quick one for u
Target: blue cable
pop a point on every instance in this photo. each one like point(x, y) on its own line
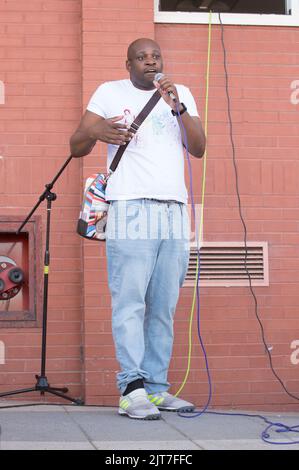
point(265, 435)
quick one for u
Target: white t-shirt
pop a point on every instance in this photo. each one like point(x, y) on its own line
point(152, 165)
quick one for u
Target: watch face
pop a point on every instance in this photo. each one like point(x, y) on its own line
point(184, 108)
point(175, 113)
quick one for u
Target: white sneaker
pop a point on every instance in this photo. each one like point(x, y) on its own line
point(137, 405)
point(166, 401)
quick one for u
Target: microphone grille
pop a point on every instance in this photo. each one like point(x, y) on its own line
point(158, 76)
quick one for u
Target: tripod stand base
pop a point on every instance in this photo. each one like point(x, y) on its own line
point(43, 387)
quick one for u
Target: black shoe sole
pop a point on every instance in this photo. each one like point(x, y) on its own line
point(181, 410)
point(146, 418)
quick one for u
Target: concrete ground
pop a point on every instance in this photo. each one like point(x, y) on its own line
point(72, 427)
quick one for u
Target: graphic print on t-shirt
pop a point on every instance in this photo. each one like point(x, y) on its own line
point(156, 125)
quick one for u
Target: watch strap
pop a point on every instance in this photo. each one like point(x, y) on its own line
point(175, 113)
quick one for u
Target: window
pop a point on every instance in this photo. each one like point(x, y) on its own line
point(276, 7)
point(250, 12)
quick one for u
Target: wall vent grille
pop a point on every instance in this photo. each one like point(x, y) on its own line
point(223, 264)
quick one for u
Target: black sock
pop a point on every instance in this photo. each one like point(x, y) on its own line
point(138, 383)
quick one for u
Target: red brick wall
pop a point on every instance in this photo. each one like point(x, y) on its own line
point(41, 69)
point(262, 66)
point(51, 62)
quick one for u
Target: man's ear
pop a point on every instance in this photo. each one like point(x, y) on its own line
point(128, 65)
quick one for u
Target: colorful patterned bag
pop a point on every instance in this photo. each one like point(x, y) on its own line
point(93, 216)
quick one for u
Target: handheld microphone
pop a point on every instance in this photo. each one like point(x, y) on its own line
point(158, 77)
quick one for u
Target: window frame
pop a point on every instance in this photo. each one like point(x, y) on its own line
point(229, 18)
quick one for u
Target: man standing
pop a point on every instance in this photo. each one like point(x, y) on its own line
point(147, 243)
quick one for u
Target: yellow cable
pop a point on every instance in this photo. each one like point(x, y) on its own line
point(202, 205)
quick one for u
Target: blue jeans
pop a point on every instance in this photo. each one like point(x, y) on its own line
point(147, 245)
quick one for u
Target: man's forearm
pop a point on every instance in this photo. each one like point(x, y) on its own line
point(81, 144)
point(195, 134)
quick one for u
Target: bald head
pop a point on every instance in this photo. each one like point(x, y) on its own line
point(140, 44)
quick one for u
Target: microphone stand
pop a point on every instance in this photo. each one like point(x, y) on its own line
point(42, 384)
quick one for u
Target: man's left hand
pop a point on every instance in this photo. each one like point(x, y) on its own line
point(165, 86)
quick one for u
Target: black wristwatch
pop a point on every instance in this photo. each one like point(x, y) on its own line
point(175, 113)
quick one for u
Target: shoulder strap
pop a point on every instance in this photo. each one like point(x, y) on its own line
point(134, 128)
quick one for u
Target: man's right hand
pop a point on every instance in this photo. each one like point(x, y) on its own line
point(111, 131)
point(94, 127)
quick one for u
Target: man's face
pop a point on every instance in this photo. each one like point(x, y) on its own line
point(144, 61)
